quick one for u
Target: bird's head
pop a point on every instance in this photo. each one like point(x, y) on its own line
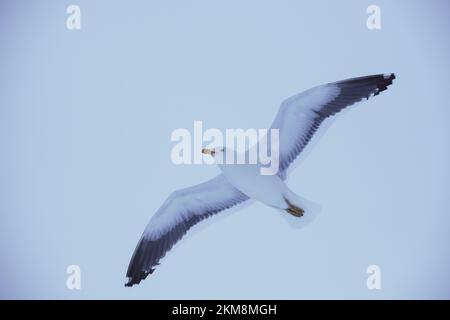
point(218, 152)
point(220, 155)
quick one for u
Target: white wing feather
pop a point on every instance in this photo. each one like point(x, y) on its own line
point(179, 212)
point(300, 116)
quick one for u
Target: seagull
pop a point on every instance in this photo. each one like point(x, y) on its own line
point(298, 118)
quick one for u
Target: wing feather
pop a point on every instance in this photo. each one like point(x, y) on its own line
point(300, 116)
point(183, 209)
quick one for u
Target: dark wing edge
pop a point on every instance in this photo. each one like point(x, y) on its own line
point(149, 251)
point(352, 91)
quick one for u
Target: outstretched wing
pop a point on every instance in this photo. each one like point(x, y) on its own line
point(300, 116)
point(182, 209)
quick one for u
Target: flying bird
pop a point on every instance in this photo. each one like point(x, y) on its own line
point(298, 118)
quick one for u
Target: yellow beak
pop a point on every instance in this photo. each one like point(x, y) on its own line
point(207, 151)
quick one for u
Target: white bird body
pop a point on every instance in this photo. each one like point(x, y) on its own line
point(298, 118)
point(247, 178)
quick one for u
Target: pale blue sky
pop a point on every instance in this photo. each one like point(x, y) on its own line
point(85, 124)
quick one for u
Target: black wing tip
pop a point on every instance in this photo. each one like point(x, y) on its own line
point(136, 270)
point(132, 280)
point(354, 90)
point(391, 76)
point(384, 82)
point(369, 79)
point(379, 82)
